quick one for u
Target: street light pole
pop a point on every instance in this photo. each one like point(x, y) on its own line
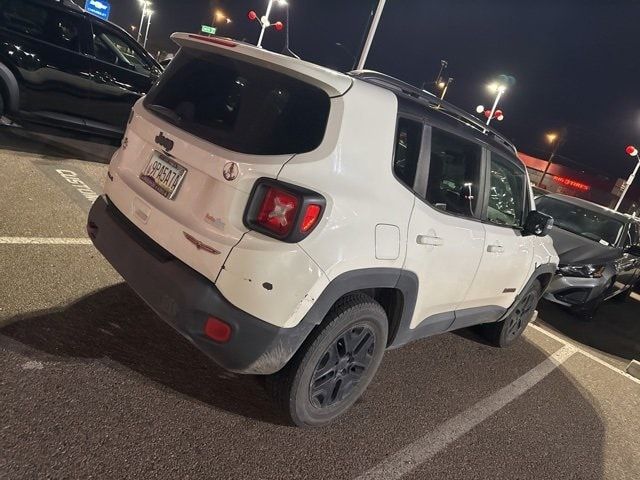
point(265, 22)
point(371, 35)
point(559, 140)
point(146, 35)
point(501, 90)
point(634, 153)
point(144, 14)
point(446, 87)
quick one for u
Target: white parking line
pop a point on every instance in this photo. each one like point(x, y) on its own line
point(44, 241)
point(587, 354)
point(423, 449)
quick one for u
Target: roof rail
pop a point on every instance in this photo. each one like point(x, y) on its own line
point(70, 4)
point(432, 101)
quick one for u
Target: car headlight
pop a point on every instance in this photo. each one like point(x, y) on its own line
point(585, 271)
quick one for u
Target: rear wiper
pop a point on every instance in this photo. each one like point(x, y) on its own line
point(167, 112)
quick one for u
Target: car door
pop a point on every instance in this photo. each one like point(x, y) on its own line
point(44, 45)
point(508, 255)
point(122, 73)
point(446, 238)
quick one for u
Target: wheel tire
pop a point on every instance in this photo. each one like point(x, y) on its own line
point(505, 333)
point(332, 369)
point(1, 104)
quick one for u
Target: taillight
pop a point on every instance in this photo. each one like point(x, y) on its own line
point(278, 211)
point(310, 218)
point(283, 211)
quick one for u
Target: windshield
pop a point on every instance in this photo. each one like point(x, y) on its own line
point(596, 226)
point(239, 106)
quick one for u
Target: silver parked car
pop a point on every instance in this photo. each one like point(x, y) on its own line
point(599, 253)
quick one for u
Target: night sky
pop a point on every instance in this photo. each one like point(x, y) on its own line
point(576, 61)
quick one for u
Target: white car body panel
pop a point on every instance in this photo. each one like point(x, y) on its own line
point(438, 243)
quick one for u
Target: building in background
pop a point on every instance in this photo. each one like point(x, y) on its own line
point(566, 180)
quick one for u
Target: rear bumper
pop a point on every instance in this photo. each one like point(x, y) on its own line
point(185, 299)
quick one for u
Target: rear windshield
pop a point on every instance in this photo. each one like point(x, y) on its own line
point(240, 106)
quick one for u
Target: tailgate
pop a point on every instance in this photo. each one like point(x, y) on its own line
point(195, 146)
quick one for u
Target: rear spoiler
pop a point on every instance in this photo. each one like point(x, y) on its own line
point(334, 83)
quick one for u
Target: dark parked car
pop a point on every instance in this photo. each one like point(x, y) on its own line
point(599, 253)
point(64, 68)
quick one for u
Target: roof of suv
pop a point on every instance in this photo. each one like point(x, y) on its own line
point(590, 206)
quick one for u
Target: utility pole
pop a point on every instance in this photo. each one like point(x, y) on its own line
point(559, 140)
point(146, 35)
point(631, 151)
point(371, 35)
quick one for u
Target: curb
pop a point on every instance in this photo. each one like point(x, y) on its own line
point(633, 369)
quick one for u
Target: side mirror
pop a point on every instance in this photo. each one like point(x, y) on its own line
point(633, 250)
point(537, 224)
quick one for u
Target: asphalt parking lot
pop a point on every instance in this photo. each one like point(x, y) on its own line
point(94, 385)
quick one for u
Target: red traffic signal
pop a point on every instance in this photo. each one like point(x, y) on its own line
point(252, 15)
point(279, 26)
point(631, 150)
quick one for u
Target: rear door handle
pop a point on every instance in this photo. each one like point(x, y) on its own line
point(429, 240)
point(495, 249)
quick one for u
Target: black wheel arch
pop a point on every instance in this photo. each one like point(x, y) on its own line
point(9, 88)
point(395, 289)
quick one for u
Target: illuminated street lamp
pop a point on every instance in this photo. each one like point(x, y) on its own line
point(555, 139)
point(145, 6)
point(219, 16)
point(444, 86)
point(632, 152)
point(264, 20)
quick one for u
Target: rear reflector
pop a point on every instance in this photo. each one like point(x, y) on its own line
point(311, 216)
point(278, 211)
point(217, 330)
point(218, 41)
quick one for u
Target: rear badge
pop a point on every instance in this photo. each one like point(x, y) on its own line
point(199, 245)
point(230, 171)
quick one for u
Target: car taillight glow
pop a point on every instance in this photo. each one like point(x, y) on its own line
point(311, 216)
point(278, 211)
point(217, 330)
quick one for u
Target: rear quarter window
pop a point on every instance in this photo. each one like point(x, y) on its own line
point(240, 106)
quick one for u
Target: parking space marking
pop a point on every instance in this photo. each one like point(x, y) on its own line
point(73, 182)
point(44, 241)
point(411, 457)
point(583, 352)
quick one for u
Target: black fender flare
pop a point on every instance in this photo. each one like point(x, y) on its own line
point(9, 88)
point(404, 281)
point(540, 271)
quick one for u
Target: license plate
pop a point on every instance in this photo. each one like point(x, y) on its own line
point(163, 175)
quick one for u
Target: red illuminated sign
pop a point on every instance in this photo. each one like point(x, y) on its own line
point(567, 182)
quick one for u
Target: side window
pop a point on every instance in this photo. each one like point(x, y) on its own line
point(408, 142)
point(23, 17)
point(506, 194)
point(454, 174)
point(632, 235)
point(116, 50)
point(48, 24)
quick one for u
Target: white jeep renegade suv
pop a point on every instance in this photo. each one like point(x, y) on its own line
point(295, 222)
